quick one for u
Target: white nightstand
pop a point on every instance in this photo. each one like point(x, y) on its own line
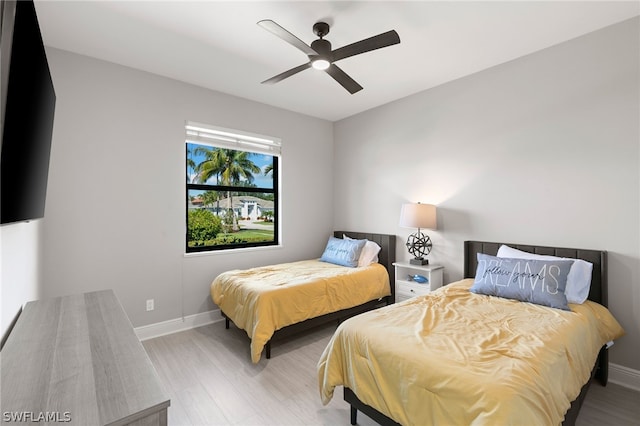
point(407, 288)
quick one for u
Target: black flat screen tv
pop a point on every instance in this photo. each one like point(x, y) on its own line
point(28, 103)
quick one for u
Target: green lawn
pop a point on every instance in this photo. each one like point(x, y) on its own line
point(242, 236)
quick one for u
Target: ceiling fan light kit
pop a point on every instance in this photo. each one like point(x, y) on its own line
point(320, 64)
point(320, 55)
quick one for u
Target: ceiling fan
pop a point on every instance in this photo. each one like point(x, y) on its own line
point(321, 56)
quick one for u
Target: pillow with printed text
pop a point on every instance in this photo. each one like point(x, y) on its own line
point(343, 252)
point(542, 282)
point(578, 280)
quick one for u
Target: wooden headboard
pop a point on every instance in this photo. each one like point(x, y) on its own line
point(598, 290)
point(387, 255)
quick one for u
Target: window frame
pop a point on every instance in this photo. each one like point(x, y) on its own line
point(238, 141)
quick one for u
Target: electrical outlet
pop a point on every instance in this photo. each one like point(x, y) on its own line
point(150, 305)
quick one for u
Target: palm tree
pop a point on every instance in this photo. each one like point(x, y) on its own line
point(209, 197)
point(268, 169)
point(191, 165)
point(237, 166)
point(229, 167)
point(212, 165)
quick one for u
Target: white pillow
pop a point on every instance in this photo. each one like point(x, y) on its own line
point(578, 280)
point(369, 253)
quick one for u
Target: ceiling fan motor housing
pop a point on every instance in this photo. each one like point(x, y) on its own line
point(323, 47)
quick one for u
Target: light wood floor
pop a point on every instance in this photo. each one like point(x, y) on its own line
point(209, 376)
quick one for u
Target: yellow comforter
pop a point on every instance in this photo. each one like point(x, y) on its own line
point(265, 299)
point(458, 358)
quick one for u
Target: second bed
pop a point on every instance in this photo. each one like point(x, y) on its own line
point(276, 300)
point(457, 357)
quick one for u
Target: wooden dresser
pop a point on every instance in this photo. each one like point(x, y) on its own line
point(76, 360)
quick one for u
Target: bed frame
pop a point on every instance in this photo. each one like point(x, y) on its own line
point(386, 257)
point(597, 293)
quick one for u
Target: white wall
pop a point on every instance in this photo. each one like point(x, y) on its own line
point(20, 268)
point(541, 150)
point(115, 202)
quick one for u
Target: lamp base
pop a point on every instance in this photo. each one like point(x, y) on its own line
point(419, 261)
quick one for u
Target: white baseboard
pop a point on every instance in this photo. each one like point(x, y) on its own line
point(178, 324)
point(624, 376)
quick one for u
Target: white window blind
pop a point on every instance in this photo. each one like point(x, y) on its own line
point(232, 139)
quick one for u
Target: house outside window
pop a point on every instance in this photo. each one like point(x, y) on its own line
point(232, 189)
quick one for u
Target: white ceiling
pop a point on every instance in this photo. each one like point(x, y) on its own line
point(218, 45)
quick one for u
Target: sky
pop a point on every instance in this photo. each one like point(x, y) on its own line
point(260, 160)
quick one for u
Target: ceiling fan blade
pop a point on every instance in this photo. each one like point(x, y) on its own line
point(372, 43)
point(276, 29)
point(344, 79)
point(288, 73)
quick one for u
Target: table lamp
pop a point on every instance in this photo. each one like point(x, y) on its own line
point(419, 216)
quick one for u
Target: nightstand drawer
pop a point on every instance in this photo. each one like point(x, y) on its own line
point(407, 290)
point(410, 289)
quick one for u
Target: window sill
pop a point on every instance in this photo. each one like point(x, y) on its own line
point(232, 251)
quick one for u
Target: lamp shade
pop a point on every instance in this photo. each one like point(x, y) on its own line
point(418, 216)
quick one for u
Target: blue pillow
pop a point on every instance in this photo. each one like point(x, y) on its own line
point(542, 282)
point(343, 252)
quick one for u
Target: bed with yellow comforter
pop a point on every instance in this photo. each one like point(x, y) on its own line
point(265, 299)
point(454, 357)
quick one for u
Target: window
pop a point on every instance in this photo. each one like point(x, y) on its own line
point(232, 189)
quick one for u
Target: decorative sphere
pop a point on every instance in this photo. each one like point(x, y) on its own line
point(419, 245)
